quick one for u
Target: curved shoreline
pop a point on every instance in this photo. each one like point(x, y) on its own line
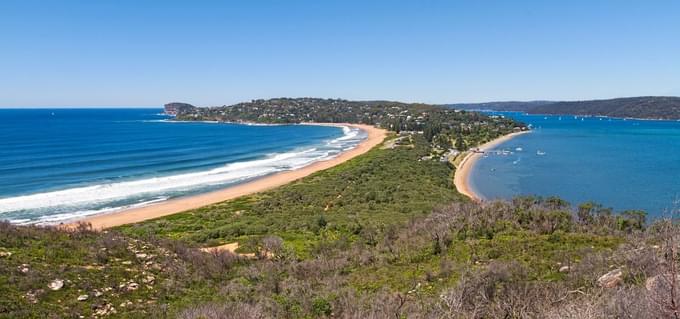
point(461, 177)
point(173, 206)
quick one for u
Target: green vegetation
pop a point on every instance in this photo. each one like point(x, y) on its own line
point(383, 235)
point(440, 126)
point(375, 237)
point(384, 186)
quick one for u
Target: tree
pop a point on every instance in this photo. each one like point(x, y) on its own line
point(632, 219)
point(460, 143)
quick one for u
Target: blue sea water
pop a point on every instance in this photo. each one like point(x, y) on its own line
point(59, 164)
point(619, 163)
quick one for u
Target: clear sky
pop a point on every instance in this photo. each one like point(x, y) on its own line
point(104, 53)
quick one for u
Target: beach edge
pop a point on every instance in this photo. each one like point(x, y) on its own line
point(461, 178)
point(375, 136)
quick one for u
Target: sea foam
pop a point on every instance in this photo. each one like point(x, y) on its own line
point(66, 204)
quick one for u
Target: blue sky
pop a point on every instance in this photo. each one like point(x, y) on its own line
point(143, 53)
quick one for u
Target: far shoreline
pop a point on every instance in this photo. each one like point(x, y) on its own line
point(178, 205)
point(461, 177)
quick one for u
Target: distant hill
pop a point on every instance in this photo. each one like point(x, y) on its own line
point(513, 106)
point(648, 107)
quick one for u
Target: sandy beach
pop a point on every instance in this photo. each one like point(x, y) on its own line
point(375, 137)
point(462, 175)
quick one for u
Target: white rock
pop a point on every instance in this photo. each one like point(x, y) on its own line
point(132, 286)
point(105, 310)
point(5, 253)
point(611, 279)
point(565, 269)
point(83, 297)
point(24, 268)
point(56, 284)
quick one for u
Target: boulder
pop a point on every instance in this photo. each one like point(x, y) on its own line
point(661, 284)
point(24, 268)
point(565, 269)
point(56, 284)
point(105, 310)
point(611, 279)
point(132, 286)
point(83, 297)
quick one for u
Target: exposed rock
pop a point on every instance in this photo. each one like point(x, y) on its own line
point(611, 279)
point(97, 293)
point(132, 286)
point(83, 297)
point(565, 269)
point(104, 310)
point(24, 268)
point(141, 256)
point(661, 284)
point(4, 253)
point(32, 296)
point(149, 279)
point(56, 284)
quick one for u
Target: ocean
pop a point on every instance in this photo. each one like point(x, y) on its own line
point(619, 163)
point(61, 164)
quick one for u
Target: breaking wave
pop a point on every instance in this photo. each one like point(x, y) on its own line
point(67, 204)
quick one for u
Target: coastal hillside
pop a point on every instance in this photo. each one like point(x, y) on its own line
point(447, 129)
point(383, 235)
point(645, 107)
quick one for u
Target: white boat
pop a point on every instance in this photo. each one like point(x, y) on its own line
point(540, 153)
point(519, 149)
